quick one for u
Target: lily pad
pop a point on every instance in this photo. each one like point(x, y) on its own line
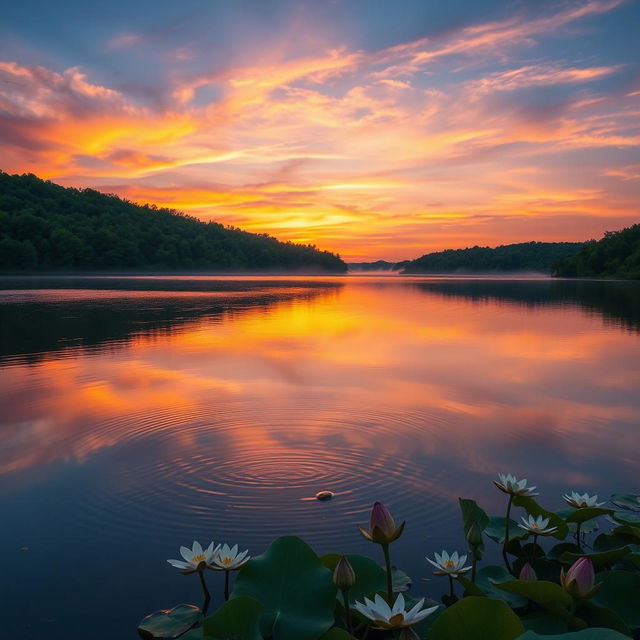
point(586, 634)
point(599, 559)
point(295, 588)
point(629, 501)
point(627, 517)
point(238, 618)
point(400, 581)
point(587, 513)
point(336, 633)
point(495, 529)
point(473, 514)
point(549, 595)
point(475, 618)
point(620, 592)
point(169, 623)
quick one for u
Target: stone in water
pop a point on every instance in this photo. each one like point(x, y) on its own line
point(324, 495)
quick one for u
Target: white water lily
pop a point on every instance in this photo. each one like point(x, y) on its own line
point(537, 526)
point(386, 617)
point(195, 559)
point(511, 485)
point(579, 501)
point(228, 558)
point(449, 565)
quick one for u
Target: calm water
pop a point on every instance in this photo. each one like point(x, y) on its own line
point(139, 414)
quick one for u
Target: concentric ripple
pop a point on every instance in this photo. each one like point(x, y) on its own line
point(237, 473)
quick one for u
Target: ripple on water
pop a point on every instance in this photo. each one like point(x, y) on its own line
point(239, 472)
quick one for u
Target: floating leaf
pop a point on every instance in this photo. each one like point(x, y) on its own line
point(487, 579)
point(473, 514)
point(478, 619)
point(370, 576)
point(169, 623)
point(627, 517)
point(586, 634)
point(626, 501)
point(587, 513)
point(238, 618)
point(549, 595)
point(495, 529)
point(620, 592)
point(599, 559)
point(545, 623)
point(295, 588)
point(596, 616)
point(400, 581)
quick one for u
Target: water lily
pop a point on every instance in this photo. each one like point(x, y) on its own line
point(228, 559)
point(449, 565)
point(514, 487)
point(382, 526)
point(386, 617)
point(527, 573)
point(537, 526)
point(579, 580)
point(195, 559)
point(579, 501)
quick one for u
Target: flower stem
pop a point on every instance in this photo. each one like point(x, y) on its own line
point(451, 594)
point(506, 535)
point(226, 585)
point(347, 610)
point(473, 568)
point(385, 550)
point(578, 539)
point(207, 595)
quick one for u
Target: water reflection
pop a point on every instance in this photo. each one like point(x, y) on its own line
point(199, 417)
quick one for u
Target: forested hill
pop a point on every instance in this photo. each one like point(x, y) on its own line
point(526, 256)
point(617, 255)
point(44, 226)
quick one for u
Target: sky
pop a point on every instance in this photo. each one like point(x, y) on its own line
point(373, 128)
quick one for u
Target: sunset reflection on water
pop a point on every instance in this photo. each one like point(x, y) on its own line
point(217, 414)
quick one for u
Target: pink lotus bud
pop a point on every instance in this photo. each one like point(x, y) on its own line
point(382, 526)
point(344, 576)
point(528, 574)
point(579, 580)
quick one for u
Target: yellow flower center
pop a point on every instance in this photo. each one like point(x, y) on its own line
point(226, 561)
point(198, 559)
point(449, 563)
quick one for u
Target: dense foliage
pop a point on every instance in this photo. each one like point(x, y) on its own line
point(526, 256)
point(44, 226)
point(562, 579)
point(617, 255)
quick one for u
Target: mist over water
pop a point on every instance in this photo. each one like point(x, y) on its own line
point(139, 414)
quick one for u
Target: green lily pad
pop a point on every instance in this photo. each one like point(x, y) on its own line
point(627, 517)
point(495, 529)
point(596, 616)
point(587, 513)
point(169, 623)
point(599, 559)
point(534, 509)
point(295, 588)
point(370, 576)
point(336, 633)
point(489, 577)
point(400, 581)
point(549, 595)
point(620, 592)
point(544, 622)
point(239, 618)
point(563, 547)
point(611, 540)
point(586, 634)
point(475, 618)
point(626, 501)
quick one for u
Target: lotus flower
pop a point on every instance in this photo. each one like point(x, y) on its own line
point(382, 526)
point(228, 558)
point(511, 485)
point(449, 565)
point(195, 559)
point(579, 580)
point(528, 574)
point(385, 617)
point(537, 526)
point(344, 576)
point(579, 501)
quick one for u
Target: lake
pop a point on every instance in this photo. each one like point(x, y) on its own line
point(141, 413)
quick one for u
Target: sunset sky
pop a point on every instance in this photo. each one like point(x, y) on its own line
point(374, 128)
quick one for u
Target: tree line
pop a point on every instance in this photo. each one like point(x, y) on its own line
point(44, 226)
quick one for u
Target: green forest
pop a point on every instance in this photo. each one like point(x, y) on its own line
point(526, 256)
point(44, 226)
point(617, 255)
